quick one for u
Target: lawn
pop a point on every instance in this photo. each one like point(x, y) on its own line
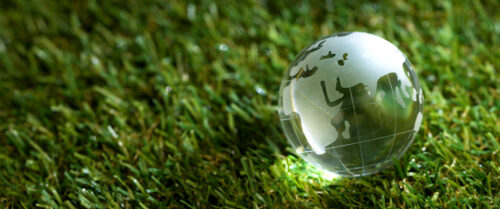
point(171, 104)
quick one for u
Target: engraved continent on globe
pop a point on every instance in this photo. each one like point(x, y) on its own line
point(350, 103)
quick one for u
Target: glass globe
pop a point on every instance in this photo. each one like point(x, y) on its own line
point(350, 103)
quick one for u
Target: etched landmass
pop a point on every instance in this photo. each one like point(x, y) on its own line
point(304, 54)
point(302, 74)
point(342, 61)
point(328, 56)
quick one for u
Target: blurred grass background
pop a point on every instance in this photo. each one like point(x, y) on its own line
point(173, 104)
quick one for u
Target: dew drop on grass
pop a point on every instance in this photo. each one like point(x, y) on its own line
point(260, 90)
point(85, 171)
point(223, 47)
point(168, 89)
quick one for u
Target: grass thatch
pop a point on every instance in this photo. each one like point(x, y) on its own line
point(154, 104)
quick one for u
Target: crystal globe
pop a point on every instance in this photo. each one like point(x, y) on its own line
point(350, 103)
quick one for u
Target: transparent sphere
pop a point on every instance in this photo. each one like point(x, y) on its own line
point(350, 103)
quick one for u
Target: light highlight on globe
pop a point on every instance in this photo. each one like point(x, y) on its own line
point(350, 103)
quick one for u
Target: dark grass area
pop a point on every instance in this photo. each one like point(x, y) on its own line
point(169, 104)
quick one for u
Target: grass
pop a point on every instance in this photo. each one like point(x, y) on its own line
point(171, 104)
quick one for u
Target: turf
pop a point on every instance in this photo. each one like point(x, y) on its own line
point(170, 104)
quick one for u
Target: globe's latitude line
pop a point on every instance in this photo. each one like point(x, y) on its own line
point(374, 139)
